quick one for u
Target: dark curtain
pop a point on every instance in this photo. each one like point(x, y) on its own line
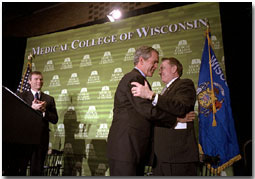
point(13, 51)
point(236, 20)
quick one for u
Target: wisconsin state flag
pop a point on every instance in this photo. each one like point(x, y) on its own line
point(217, 136)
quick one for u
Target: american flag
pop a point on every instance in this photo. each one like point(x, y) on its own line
point(24, 85)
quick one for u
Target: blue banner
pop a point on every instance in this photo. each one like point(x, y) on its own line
point(217, 136)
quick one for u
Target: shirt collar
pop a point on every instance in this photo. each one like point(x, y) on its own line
point(35, 92)
point(140, 72)
point(170, 82)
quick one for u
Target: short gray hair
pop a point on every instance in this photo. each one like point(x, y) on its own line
point(143, 51)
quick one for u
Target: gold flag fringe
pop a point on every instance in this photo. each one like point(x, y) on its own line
point(219, 169)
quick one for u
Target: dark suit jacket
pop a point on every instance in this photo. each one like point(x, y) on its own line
point(177, 145)
point(130, 134)
point(50, 113)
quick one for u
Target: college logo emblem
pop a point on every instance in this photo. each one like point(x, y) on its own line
point(205, 100)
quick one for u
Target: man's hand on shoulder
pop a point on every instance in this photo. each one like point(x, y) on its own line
point(141, 91)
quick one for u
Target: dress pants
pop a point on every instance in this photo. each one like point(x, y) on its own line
point(175, 169)
point(37, 160)
point(121, 168)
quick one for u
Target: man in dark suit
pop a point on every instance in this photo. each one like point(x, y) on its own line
point(45, 104)
point(176, 149)
point(130, 135)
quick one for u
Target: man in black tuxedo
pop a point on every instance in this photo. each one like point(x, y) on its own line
point(130, 136)
point(45, 104)
point(176, 149)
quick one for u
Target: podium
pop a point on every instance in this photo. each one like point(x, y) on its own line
point(21, 132)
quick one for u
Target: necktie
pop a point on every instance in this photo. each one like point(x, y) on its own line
point(37, 95)
point(164, 89)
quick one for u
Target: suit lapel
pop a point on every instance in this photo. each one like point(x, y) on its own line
point(148, 83)
point(42, 96)
point(30, 97)
point(172, 85)
point(143, 77)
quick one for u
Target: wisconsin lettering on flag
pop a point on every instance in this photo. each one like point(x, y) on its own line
point(217, 136)
point(24, 85)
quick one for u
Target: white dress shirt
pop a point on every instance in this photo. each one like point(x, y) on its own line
point(155, 101)
point(39, 95)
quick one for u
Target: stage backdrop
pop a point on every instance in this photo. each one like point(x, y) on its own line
point(82, 68)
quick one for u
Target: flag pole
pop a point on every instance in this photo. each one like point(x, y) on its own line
point(214, 124)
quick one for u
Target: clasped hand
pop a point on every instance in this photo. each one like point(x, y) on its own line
point(39, 105)
point(140, 90)
point(144, 92)
point(188, 118)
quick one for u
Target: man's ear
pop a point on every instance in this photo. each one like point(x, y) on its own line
point(141, 60)
point(174, 69)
